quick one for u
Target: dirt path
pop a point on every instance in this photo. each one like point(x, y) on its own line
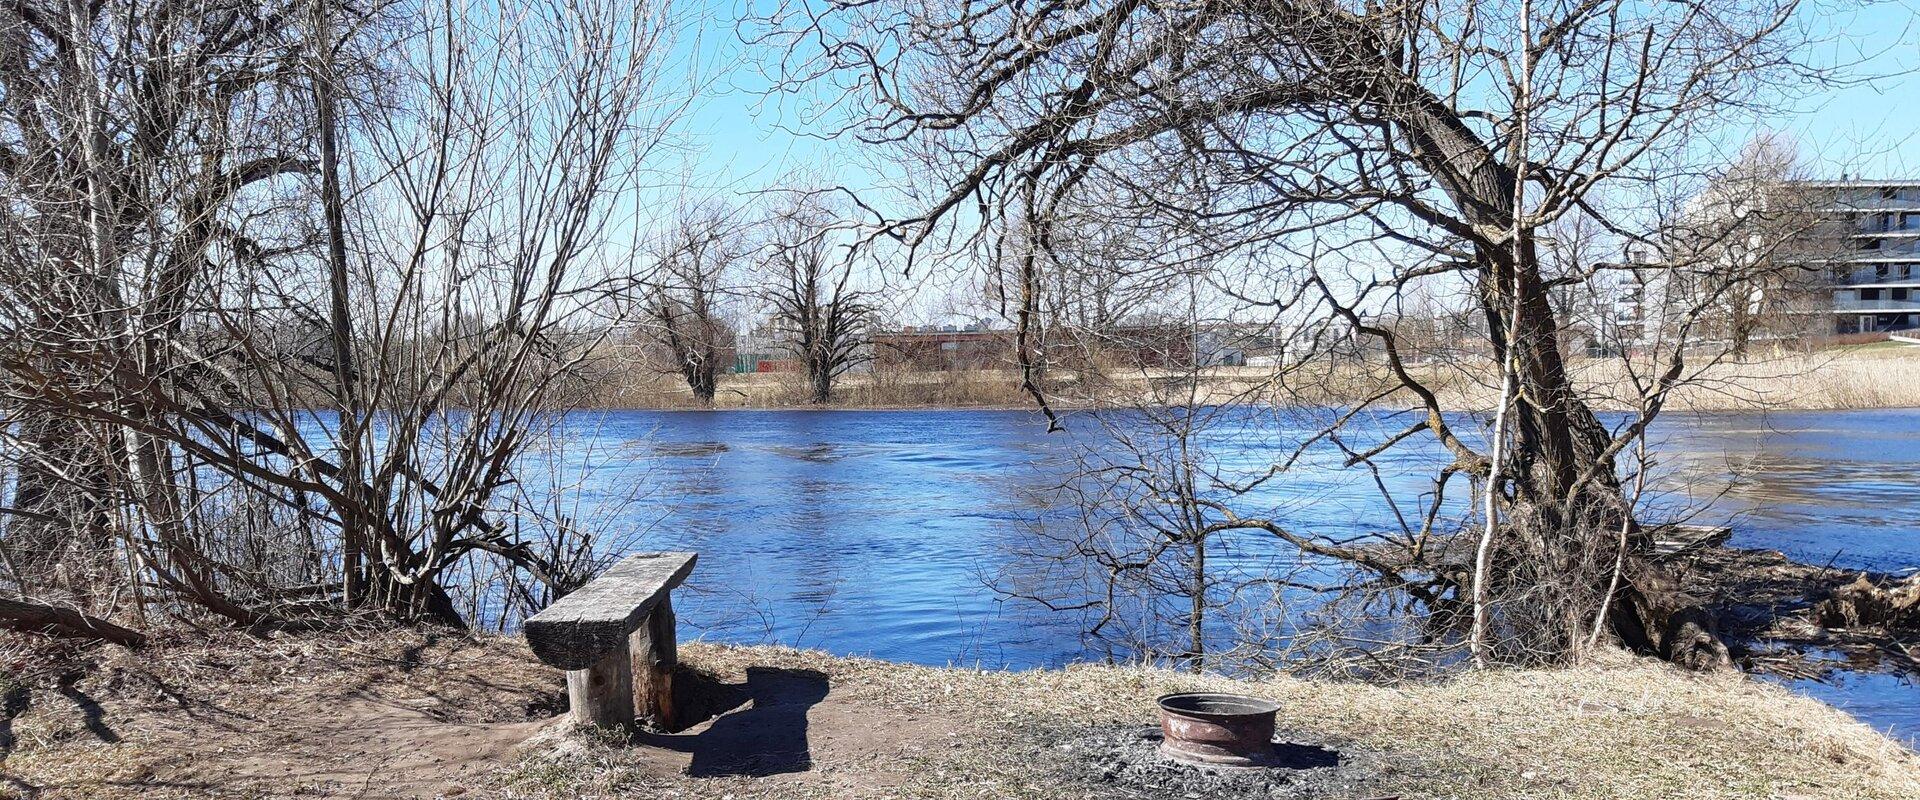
point(427, 717)
point(358, 747)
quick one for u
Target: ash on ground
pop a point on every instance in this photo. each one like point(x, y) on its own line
point(1126, 763)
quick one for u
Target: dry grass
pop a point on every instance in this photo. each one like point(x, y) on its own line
point(1875, 375)
point(1626, 729)
point(1883, 375)
point(962, 389)
point(1878, 375)
point(198, 720)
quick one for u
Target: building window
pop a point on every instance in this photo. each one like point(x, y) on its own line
point(1899, 294)
point(1869, 294)
point(1889, 193)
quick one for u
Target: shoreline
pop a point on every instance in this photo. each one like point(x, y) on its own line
point(1847, 378)
point(1066, 408)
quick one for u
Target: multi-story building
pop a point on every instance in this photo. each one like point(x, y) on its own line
point(1873, 257)
point(1822, 258)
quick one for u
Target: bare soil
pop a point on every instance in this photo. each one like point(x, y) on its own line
point(402, 714)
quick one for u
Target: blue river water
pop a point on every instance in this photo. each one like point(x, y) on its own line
point(885, 533)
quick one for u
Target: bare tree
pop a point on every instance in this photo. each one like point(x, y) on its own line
point(1156, 501)
point(1758, 224)
point(686, 296)
point(126, 169)
point(1329, 156)
point(809, 283)
point(220, 217)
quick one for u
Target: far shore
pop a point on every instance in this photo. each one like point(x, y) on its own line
point(1882, 375)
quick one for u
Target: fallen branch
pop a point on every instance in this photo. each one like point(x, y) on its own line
point(64, 623)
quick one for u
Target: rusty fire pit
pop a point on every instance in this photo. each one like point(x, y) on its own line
point(1217, 730)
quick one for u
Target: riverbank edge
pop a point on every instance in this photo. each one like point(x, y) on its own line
point(1094, 407)
point(230, 716)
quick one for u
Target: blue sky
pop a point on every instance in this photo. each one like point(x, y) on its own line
point(1872, 128)
point(737, 139)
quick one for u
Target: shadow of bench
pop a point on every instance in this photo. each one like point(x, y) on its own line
point(615, 639)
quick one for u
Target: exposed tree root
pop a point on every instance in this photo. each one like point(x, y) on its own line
point(1659, 614)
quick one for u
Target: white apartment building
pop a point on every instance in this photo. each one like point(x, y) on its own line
point(1857, 240)
point(1874, 266)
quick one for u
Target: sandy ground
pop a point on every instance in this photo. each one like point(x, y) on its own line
point(409, 714)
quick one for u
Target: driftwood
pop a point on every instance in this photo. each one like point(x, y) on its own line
point(1797, 620)
point(64, 622)
point(615, 638)
point(1866, 604)
point(1680, 539)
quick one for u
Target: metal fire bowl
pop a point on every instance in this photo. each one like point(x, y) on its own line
point(1217, 730)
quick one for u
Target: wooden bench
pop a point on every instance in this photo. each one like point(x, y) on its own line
point(614, 637)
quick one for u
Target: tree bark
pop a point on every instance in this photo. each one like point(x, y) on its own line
point(339, 318)
point(65, 623)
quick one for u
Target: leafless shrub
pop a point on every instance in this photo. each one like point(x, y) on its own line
point(292, 289)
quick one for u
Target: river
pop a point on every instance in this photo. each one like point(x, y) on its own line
point(881, 533)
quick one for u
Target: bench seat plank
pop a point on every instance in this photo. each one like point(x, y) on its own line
point(595, 620)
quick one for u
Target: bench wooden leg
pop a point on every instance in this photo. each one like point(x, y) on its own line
point(654, 657)
point(603, 693)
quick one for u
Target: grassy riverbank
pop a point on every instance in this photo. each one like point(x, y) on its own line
point(1878, 375)
point(414, 714)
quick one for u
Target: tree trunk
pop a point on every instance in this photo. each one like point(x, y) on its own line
point(1552, 563)
point(702, 378)
point(62, 489)
point(1197, 615)
point(819, 381)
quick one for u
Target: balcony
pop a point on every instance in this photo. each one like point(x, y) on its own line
point(1845, 304)
point(1863, 202)
point(1905, 253)
point(1904, 274)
